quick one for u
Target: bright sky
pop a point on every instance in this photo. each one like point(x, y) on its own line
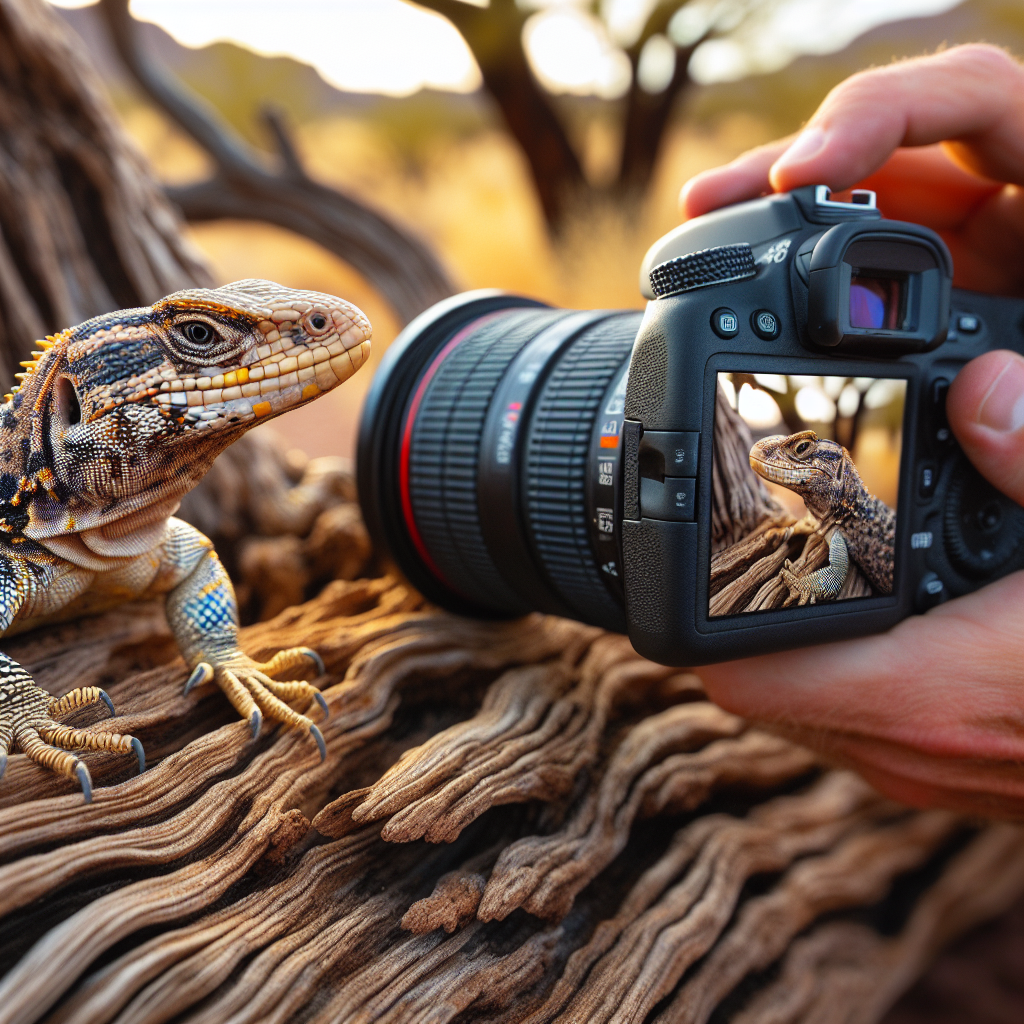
point(396, 48)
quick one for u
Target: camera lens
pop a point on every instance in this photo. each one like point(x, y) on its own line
point(489, 456)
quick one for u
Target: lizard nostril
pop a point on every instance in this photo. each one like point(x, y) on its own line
point(68, 406)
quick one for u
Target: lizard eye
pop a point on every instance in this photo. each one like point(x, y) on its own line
point(801, 448)
point(197, 332)
point(316, 323)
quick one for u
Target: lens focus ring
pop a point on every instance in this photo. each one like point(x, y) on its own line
point(556, 466)
point(445, 452)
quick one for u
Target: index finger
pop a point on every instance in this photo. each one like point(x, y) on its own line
point(973, 95)
point(970, 97)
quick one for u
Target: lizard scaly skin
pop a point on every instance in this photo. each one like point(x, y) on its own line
point(112, 422)
point(822, 472)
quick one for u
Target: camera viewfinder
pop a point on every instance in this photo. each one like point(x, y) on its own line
point(877, 302)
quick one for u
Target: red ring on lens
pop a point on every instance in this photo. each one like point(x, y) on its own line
point(406, 450)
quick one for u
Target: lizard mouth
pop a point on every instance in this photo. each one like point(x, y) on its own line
point(784, 475)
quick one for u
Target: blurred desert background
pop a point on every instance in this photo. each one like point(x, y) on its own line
point(440, 162)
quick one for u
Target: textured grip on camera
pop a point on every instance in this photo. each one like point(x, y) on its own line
point(699, 269)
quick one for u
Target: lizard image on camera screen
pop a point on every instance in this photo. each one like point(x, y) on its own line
point(863, 527)
point(112, 422)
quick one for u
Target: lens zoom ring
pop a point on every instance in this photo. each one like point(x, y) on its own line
point(556, 465)
point(445, 454)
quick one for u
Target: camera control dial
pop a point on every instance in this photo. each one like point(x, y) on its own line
point(699, 269)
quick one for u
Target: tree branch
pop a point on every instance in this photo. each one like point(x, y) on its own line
point(399, 265)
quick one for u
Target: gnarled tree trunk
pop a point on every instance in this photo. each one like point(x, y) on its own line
point(84, 226)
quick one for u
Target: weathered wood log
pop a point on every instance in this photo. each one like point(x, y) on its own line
point(515, 821)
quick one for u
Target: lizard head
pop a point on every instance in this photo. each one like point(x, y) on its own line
point(815, 468)
point(130, 408)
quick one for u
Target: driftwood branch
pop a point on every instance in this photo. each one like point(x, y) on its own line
point(398, 264)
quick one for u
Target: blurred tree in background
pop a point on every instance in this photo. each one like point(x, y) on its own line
point(651, 45)
point(657, 47)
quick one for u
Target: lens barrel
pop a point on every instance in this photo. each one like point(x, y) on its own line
point(488, 461)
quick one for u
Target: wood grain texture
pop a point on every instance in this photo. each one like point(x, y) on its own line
point(515, 821)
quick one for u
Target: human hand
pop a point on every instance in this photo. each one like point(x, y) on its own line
point(932, 712)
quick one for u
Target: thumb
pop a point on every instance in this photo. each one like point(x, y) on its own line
point(986, 411)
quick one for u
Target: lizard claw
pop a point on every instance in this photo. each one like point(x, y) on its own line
point(321, 668)
point(255, 722)
point(110, 704)
point(139, 753)
point(319, 737)
point(201, 674)
point(85, 780)
point(320, 699)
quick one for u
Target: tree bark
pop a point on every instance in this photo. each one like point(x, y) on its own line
point(84, 226)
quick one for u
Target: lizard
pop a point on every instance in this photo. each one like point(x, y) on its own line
point(823, 473)
point(109, 425)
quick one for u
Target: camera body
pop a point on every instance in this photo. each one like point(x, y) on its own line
point(759, 461)
point(797, 312)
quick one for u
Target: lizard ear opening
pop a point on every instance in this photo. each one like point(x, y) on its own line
point(69, 409)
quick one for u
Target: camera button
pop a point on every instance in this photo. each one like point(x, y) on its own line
point(674, 499)
point(967, 323)
point(668, 453)
point(765, 324)
point(931, 591)
point(926, 480)
point(725, 323)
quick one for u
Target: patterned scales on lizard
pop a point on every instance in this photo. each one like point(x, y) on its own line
point(112, 422)
point(863, 527)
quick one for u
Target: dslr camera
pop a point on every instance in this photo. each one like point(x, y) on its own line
point(759, 460)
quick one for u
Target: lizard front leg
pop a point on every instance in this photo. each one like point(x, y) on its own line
point(825, 583)
point(28, 714)
point(27, 723)
point(203, 616)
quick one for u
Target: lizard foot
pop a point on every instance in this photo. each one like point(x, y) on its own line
point(793, 582)
point(253, 693)
point(27, 724)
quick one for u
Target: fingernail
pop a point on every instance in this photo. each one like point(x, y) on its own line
point(807, 143)
point(1002, 408)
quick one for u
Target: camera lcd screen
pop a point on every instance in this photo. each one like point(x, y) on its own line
point(876, 302)
point(807, 473)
